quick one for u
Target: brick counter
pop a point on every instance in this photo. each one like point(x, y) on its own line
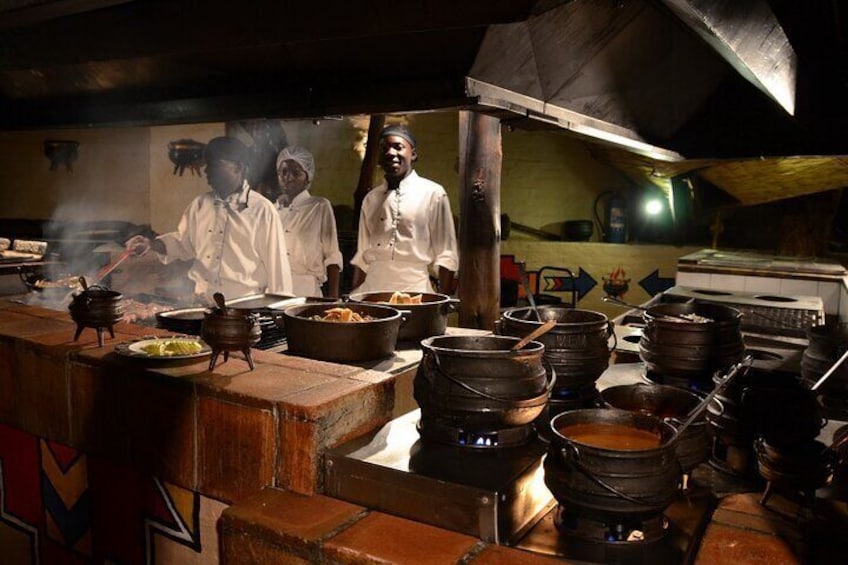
point(220, 434)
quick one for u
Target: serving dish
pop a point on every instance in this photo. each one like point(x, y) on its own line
point(135, 349)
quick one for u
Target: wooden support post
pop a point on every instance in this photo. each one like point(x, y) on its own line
point(480, 156)
point(369, 163)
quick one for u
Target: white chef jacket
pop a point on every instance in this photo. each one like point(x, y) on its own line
point(236, 244)
point(311, 240)
point(402, 232)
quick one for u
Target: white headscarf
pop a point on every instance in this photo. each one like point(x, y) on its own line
point(302, 157)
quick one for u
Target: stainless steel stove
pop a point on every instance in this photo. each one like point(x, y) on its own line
point(500, 497)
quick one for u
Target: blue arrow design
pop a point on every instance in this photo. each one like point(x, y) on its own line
point(655, 284)
point(583, 283)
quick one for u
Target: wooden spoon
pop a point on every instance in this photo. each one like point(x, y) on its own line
point(544, 328)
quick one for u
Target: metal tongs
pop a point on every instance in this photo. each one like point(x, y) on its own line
point(731, 374)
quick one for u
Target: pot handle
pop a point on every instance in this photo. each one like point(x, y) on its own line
point(434, 358)
point(452, 305)
point(405, 315)
point(611, 332)
point(574, 461)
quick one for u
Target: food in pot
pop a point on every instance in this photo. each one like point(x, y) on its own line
point(341, 315)
point(135, 310)
point(690, 317)
point(404, 298)
point(171, 347)
point(611, 436)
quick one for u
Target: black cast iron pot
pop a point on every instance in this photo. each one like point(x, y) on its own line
point(478, 383)
point(424, 320)
point(342, 341)
point(671, 404)
point(599, 482)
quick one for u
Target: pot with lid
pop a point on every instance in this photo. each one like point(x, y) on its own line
point(96, 307)
point(426, 318)
point(229, 329)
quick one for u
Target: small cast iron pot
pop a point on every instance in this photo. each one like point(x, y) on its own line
point(342, 341)
point(96, 307)
point(230, 329)
point(424, 320)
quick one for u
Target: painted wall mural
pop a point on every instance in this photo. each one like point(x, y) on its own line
point(560, 283)
point(60, 505)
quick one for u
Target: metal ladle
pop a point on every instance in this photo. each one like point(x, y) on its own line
point(623, 304)
point(526, 284)
point(693, 415)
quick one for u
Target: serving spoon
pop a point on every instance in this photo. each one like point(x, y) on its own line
point(543, 329)
point(721, 385)
point(684, 317)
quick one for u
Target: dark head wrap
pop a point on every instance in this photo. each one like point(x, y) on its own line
point(399, 131)
point(228, 149)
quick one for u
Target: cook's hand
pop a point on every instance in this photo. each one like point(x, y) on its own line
point(138, 245)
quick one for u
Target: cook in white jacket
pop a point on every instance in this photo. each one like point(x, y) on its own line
point(405, 225)
point(232, 235)
point(309, 225)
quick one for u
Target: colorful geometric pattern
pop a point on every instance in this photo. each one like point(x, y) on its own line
point(67, 502)
point(61, 506)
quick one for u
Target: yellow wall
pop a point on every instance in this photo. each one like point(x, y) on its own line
point(125, 174)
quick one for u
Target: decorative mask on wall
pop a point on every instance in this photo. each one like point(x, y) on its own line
point(186, 153)
point(61, 153)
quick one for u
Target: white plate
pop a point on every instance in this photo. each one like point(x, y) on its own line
point(135, 349)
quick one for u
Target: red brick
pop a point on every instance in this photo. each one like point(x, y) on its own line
point(236, 449)
point(309, 365)
point(8, 383)
point(98, 421)
point(321, 418)
point(239, 548)
point(289, 524)
point(32, 326)
point(380, 538)
point(500, 555)
point(42, 392)
point(725, 544)
point(162, 427)
point(263, 387)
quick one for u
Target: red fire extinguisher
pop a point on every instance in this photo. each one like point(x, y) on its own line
point(614, 226)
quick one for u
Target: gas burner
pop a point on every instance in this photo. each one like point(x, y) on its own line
point(446, 433)
point(698, 385)
point(617, 530)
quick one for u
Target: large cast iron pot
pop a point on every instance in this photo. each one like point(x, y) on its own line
point(826, 345)
point(342, 341)
point(677, 348)
point(424, 320)
point(671, 404)
point(478, 384)
point(598, 482)
point(576, 347)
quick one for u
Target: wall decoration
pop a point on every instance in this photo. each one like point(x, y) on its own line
point(616, 284)
point(186, 154)
point(61, 153)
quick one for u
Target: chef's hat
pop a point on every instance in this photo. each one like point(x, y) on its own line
point(302, 157)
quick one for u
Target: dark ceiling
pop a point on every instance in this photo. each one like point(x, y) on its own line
point(73, 63)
